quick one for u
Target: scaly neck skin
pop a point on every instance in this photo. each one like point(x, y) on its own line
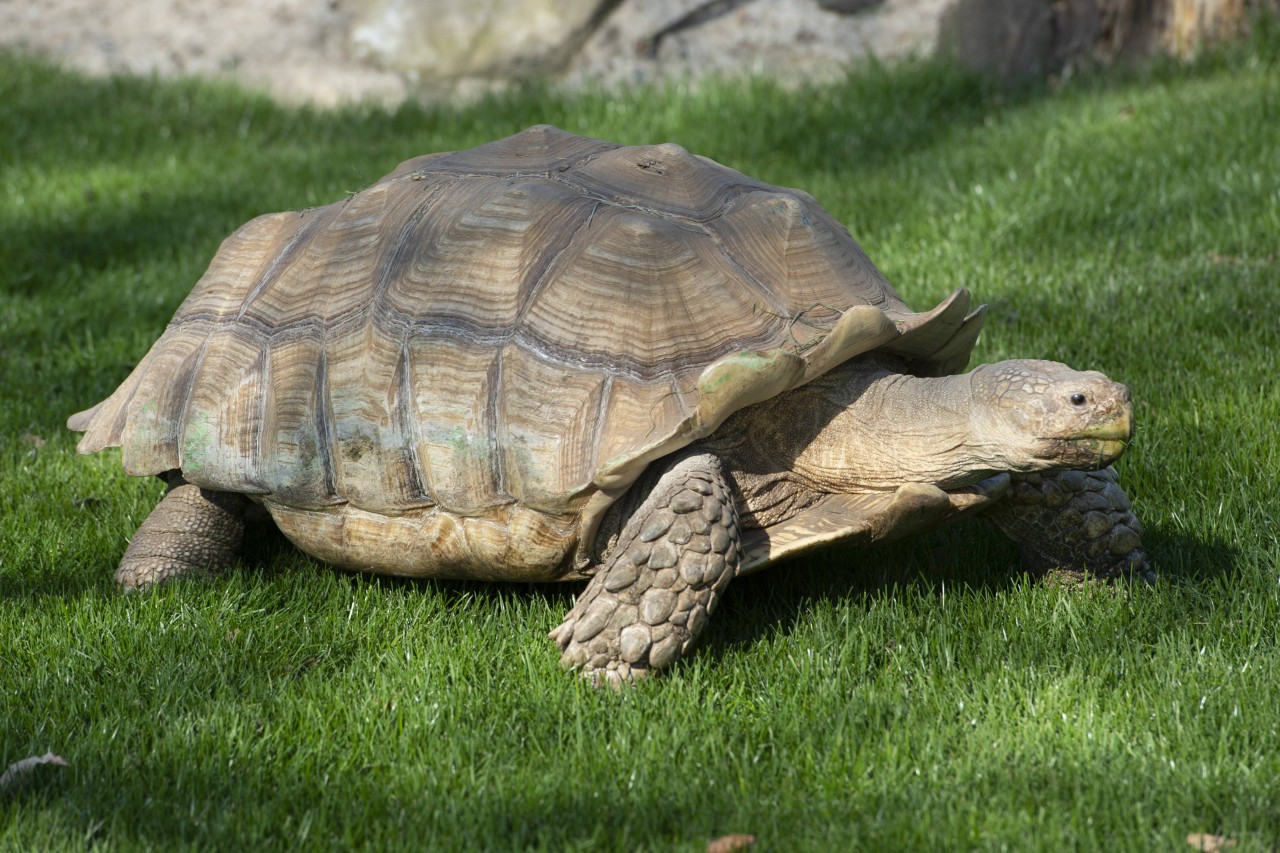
point(861, 428)
point(892, 428)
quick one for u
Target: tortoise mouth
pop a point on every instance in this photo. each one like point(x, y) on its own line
point(1098, 445)
point(1107, 450)
point(1118, 430)
point(1084, 453)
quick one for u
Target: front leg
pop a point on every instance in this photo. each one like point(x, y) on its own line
point(661, 580)
point(1076, 521)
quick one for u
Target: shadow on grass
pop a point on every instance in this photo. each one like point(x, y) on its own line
point(774, 600)
point(767, 602)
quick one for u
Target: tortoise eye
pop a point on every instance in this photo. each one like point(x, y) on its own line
point(1078, 399)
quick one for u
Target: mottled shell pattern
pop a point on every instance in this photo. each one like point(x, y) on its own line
point(455, 371)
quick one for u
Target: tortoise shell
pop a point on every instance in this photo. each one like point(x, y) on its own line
point(455, 371)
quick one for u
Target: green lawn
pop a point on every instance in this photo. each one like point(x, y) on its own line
point(923, 695)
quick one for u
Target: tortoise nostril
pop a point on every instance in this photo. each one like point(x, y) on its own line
point(1078, 399)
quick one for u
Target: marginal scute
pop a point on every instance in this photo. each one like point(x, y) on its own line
point(152, 410)
point(478, 354)
point(860, 329)
point(635, 420)
point(374, 467)
point(452, 383)
point(953, 355)
point(738, 380)
point(807, 260)
point(548, 440)
point(225, 412)
point(80, 421)
point(295, 441)
point(921, 335)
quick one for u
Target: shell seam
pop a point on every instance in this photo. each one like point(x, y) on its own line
point(279, 262)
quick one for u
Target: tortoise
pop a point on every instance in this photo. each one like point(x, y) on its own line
point(555, 358)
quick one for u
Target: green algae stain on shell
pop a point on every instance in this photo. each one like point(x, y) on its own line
point(740, 379)
point(197, 443)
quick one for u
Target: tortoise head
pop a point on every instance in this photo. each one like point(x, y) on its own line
point(1046, 416)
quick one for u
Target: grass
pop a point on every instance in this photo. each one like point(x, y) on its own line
point(923, 695)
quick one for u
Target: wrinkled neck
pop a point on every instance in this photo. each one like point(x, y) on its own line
point(893, 428)
point(864, 427)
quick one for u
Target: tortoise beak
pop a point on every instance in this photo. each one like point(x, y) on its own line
point(1118, 429)
point(1106, 441)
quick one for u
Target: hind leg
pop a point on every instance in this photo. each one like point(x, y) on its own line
point(662, 579)
point(1076, 522)
point(191, 530)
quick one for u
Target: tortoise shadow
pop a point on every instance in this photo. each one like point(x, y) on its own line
point(773, 601)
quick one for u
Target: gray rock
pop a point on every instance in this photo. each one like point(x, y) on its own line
point(796, 40)
point(848, 7)
point(1015, 38)
point(445, 40)
point(329, 51)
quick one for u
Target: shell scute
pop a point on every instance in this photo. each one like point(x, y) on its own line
point(472, 265)
point(295, 443)
point(646, 297)
point(225, 410)
point(637, 414)
point(541, 149)
point(810, 264)
point(660, 180)
point(251, 256)
point(374, 466)
point(152, 435)
point(454, 386)
point(548, 441)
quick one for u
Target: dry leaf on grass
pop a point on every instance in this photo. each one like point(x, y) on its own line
point(1209, 843)
point(16, 772)
point(35, 441)
point(730, 843)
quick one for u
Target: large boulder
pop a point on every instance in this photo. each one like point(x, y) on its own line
point(329, 51)
point(644, 40)
point(1020, 37)
point(293, 49)
point(437, 41)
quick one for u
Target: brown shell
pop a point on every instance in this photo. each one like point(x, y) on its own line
point(517, 328)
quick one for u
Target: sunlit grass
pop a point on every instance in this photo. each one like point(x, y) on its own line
point(921, 696)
